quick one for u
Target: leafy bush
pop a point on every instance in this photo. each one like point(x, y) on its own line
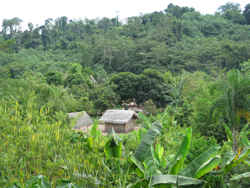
point(149, 107)
point(54, 77)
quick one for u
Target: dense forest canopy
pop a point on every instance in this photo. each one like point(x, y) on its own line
point(188, 72)
point(174, 39)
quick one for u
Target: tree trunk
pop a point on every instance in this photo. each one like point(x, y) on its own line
point(234, 140)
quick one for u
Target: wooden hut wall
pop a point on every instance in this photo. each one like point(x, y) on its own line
point(130, 125)
point(119, 128)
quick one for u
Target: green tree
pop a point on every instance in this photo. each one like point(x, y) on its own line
point(127, 84)
point(246, 13)
point(151, 86)
point(229, 6)
point(175, 92)
point(5, 46)
point(104, 98)
point(54, 77)
point(234, 97)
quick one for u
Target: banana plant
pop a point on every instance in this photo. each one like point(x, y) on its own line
point(231, 159)
point(241, 138)
point(114, 150)
point(152, 171)
point(244, 175)
point(38, 181)
point(168, 123)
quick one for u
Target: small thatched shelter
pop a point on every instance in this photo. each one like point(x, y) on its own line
point(84, 120)
point(120, 120)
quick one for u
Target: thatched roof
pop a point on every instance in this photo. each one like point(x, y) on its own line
point(83, 120)
point(118, 116)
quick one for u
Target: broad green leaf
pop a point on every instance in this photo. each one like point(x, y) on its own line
point(111, 149)
point(243, 131)
point(245, 141)
point(117, 139)
point(94, 132)
point(106, 166)
point(145, 119)
point(151, 163)
point(38, 181)
point(207, 166)
point(137, 163)
point(227, 156)
point(149, 138)
point(191, 169)
point(165, 179)
point(244, 153)
point(182, 151)
point(247, 132)
point(244, 175)
point(74, 138)
point(235, 159)
point(64, 183)
point(247, 162)
point(159, 150)
point(190, 182)
point(228, 132)
point(90, 143)
point(179, 181)
point(140, 135)
point(230, 163)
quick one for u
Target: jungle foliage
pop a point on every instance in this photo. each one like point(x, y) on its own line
point(189, 73)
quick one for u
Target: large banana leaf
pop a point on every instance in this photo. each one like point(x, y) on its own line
point(179, 181)
point(244, 153)
point(226, 157)
point(245, 141)
point(244, 175)
point(247, 162)
point(182, 151)
point(137, 163)
point(230, 162)
point(90, 143)
point(145, 119)
point(149, 138)
point(140, 135)
point(191, 169)
point(94, 132)
point(208, 166)
point(117, 139)
point(151, 163)
point(243, 131)
point(235, 159)
point(228, 132)
point(247, 132)
point(111, 149)
point(159, 151)
point(38, 181)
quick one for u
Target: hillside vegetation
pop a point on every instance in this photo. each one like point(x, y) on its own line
point(189, 72)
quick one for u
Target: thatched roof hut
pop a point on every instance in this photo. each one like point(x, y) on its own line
point(83, 120)
point(120, 120)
